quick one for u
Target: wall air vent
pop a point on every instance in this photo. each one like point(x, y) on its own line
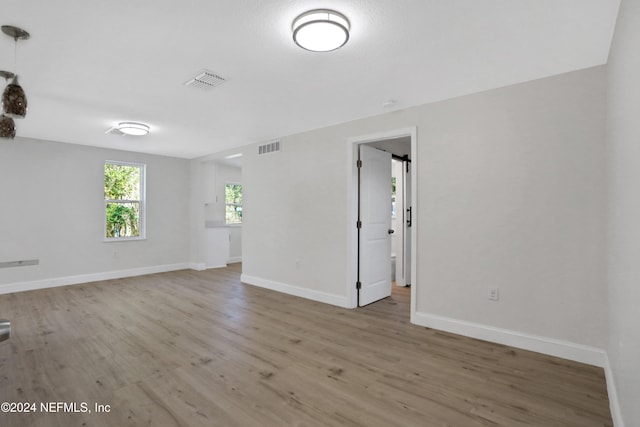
point(205, 80)
point(270, 147)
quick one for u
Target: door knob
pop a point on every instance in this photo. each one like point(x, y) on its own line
point(391, 231)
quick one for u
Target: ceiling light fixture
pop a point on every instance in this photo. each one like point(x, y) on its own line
point(133, 128)
point(321, 30)
point(14, 100)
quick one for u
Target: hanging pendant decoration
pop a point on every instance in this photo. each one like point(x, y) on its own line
point(14, 100)
point(7, 127)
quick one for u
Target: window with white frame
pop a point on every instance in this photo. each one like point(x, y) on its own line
point(233, 203)
point(124, 190)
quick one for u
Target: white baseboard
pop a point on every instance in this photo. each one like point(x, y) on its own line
point(234, 260)
point(340, 301)
point(553, 347)
point(215, 266)
point(199, 266)
point(86, 278)
point(614, 405)
point(559, 348)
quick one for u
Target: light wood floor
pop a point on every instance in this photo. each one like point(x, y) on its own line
point(194, 348)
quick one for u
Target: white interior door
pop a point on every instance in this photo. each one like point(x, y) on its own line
point(375, 216)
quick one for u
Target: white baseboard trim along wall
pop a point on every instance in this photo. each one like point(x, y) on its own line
point(339, 300)
point(614, 405)
point(550, 346)
point(198, 266)
point(91, 277)
point(553, 347)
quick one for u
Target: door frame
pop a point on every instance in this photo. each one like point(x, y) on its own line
point(352, 209)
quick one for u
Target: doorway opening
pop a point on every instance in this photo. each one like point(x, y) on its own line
point(383, 239)
point(222, 213)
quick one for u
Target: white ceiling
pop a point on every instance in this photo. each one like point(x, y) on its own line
point(90, 64)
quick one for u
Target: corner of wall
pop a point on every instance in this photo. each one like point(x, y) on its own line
point(614, 404)
point(338, 300)
point(198, 266)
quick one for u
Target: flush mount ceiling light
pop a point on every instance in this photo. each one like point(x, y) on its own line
point(321, 30)
point(133, 128)
point(14, 100)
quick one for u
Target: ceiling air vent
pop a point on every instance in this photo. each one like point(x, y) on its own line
point(205, 80)
point(270, 147)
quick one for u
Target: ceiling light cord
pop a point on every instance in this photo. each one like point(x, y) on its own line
point(15, 56)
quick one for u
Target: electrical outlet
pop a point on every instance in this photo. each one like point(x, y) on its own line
point(493, 294)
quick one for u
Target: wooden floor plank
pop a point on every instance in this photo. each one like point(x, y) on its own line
point(192, 348)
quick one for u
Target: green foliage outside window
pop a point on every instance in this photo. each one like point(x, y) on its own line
point(122, 200)
point(233, 203)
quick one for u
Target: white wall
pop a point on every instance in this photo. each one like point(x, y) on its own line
point(623, 131)
point(235, 244)
point(295, 216)
point(197, 197)
point(510, 194)
point(53, 210)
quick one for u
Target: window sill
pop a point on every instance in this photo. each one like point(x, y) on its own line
point(123, 239)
